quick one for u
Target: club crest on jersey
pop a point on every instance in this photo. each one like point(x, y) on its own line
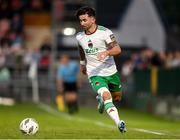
point(97, 83)
point(90, 44)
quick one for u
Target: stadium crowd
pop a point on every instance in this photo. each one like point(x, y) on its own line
point(14, 56)
point(12, 37)
point(146, 58)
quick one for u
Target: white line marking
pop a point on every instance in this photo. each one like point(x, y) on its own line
point(104, 125)
point(52, 111)
point(148, 131)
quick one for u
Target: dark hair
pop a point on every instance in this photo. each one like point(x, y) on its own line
point(85, 10)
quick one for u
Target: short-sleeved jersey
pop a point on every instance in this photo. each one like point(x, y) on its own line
point(68, 72)
point(93, 44)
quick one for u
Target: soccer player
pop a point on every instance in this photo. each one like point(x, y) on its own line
point(97, 46)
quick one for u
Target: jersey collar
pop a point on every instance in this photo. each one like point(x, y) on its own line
point(92, 32)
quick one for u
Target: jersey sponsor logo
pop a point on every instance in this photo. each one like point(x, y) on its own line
point(91, 51)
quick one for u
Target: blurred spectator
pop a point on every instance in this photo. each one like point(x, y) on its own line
point(44, 62)
point(2, 58)
point(4, 82)
point(17, 23)
point(162, 56)
point(4, 28)
point(4, 74)
point(45, 52)
point(31, 56)
point(138, 61)
point(156, 60)
point(58, 8)
point(176, 59)
point(169, 59)
point(5, 11)
point(127, 68)
point(17, 7)
point(67, 80)
point(39, 5)
point(146, 55)
point(46, 45)
point(5, 45)
point(16, 42)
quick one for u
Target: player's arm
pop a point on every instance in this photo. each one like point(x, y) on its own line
point(81, 53)
point(82, 60)
point(113, 50)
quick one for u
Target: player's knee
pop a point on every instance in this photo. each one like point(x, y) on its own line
point(106, 96)
point(117, 96)
point(105, 93)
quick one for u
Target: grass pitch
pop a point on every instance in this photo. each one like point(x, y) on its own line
point(87, 124)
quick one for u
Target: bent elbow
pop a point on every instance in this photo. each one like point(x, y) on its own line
point(118, 51)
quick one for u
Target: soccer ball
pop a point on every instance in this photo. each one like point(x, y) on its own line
point(29, 126)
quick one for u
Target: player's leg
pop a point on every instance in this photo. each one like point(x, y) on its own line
point(97, 82)
point(122, 126)
point(100, 103)
point(115, 89)
point(116, 96)
point(111, 109)
point(108, 104)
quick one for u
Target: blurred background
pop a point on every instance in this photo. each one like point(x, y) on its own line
point(35, 33)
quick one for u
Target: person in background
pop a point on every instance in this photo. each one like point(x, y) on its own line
point(67, 81)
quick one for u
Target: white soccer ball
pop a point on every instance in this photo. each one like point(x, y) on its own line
point(29, 126)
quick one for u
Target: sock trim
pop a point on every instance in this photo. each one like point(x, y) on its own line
point(108, 101)
point(108, 105)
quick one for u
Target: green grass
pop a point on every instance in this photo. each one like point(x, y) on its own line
point(86, 124)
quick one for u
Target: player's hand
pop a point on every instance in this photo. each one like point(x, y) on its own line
point(102, 55)
point(83, 69)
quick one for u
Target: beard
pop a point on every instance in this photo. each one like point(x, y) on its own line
point(85, 27)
